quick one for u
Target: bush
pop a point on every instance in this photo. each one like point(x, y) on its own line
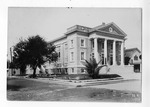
point(74, 77)
point(102, 76)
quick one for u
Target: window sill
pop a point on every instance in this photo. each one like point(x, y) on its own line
point(83, 47)
point(82, 60)
point(71, 47)
point(71, 61)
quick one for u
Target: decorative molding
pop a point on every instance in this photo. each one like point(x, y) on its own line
point(104, 37)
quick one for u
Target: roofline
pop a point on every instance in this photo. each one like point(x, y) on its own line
point(103, 26)
point(90, 31)
point(119, 28)
point(65, 36)
point(59, 38)
point(79, 25)
point(75, 31)
point(133, 49)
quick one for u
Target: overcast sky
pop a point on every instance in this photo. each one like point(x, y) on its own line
point(51, 23)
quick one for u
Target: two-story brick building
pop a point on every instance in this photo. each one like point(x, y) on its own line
point(104, 42)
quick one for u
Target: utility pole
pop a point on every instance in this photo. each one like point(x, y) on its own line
point(11, 59)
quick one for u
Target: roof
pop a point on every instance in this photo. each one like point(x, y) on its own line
point(59, 38)
point(129, 52)
point(88, 30)
point(79, 28)
point(106, 25)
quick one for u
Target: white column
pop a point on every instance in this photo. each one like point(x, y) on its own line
point(95, 49)
point(105, 51)
point(114, 52)
point(122, 53)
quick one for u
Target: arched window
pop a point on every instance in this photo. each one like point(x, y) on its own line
point(135, 57)
point(110, 29)
point(82, 70)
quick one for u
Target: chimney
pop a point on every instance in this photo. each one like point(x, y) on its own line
point(103, 23)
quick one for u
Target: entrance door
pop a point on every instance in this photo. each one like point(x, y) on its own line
point(137, 68)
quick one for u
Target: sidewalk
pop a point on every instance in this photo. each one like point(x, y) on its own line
point(127, 86)
point(85, 83)
point(120, 84)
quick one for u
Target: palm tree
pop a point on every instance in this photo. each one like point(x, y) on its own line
point(92, 67)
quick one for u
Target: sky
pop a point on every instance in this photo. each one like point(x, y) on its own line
point(51, 23)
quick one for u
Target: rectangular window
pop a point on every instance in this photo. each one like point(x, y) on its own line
point(65, 46)
point(66, 53)
point(72, 70)
point(58, 56)
point(82, 55)
point(71, 43)
point(71, 56)
point(82, 43)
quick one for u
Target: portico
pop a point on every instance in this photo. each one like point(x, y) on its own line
point(109, 50)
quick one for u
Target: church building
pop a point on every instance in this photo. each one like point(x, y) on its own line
point(104, 42)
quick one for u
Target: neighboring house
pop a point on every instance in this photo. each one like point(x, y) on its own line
point(13, 72)
point(133, 57)
point(104, 42)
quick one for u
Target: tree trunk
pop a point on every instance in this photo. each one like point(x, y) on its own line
point(23, 70)
point(34, 72)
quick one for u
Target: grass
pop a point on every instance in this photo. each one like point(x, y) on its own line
point(26, 90)
point(17, 84)
point(78, 76)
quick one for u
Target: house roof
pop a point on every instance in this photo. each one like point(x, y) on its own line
point(129, 52)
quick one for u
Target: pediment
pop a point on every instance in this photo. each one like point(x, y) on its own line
point(111, 28)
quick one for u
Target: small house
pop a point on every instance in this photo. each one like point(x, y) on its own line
point(133, 57)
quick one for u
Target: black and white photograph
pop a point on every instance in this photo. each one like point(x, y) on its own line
point(74, 54)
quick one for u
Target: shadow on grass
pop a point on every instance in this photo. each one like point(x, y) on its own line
point(14, 87)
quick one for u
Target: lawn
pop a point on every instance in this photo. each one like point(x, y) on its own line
point(29, 90)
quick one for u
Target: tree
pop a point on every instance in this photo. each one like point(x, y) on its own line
point(33, 51)
point(92, 67)
point(19, 56)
